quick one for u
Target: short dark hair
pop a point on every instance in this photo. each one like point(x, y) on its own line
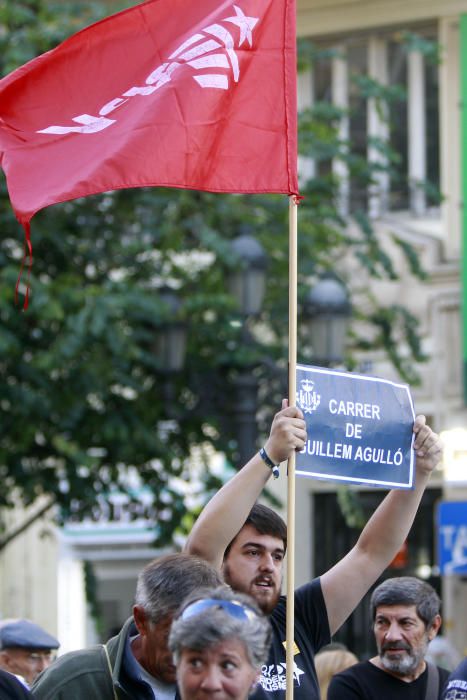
point(407, 590)
point(213, 625)
point(164, 582)
point(266, 522)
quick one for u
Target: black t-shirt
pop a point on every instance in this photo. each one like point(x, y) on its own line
point(11, 688)
point(456, 688)
point(311, 633)
point(365, 681)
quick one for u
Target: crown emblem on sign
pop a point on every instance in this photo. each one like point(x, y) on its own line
point(307, 398)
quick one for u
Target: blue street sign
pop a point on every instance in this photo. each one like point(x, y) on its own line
point(359, 428)
point(452, 537)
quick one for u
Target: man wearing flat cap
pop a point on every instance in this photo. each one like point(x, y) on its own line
point(25, 648)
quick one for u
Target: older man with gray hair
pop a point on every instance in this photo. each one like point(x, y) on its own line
point(137, 663)
point(406, 617)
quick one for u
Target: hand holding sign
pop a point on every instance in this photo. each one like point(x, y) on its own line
point(288, 433)
point(361, 430)
point(427, 445)
point(357, 429)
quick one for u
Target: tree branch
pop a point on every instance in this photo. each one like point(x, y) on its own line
point(10, 536)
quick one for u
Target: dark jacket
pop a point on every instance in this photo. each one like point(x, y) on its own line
point(85, 674)
point(11, 688)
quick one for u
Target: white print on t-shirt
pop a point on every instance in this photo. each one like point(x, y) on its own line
point(273, 676)
point(456, 690)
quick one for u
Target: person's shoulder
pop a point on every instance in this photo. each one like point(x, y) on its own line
point(362, 674)
point(310, 590)
point(307, 590)
point(91, 656)
point(349, 680)
point(68, 669)
point(11, 688)
point(362, 667)
point(456, 684)
point(311, 586)
point(460, 671)
point(306, 596)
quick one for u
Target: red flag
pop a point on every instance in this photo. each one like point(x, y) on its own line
point(198, 95)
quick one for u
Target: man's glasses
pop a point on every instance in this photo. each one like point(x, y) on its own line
point(232, 607)
point(36, 657)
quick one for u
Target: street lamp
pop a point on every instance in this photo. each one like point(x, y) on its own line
point(327, 312)
point(170, 340)
point(246, 282)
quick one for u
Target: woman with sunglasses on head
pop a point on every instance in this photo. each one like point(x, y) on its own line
point(219, 640)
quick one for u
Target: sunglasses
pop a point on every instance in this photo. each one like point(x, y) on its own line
point(232, 607)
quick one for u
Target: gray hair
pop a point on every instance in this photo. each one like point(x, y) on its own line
point(213, 625)
point(164, 582)
point(407, 590)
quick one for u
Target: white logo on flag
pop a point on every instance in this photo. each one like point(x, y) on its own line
point(212, 51)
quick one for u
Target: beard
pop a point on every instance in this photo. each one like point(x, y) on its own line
point(403, 664)
point(266, 595)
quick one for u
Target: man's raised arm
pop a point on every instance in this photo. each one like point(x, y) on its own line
point(347, 582)
point(225, 514)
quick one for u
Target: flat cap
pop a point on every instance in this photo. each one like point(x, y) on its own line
point(26, 635)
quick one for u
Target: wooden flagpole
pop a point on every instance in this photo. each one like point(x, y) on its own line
point(290, 623)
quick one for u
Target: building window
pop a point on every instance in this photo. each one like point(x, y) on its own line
point(357, 58)
point(398, 118)
point(409, 123)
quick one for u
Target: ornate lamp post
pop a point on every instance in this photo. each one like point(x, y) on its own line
point(246, 283)
point(170, 343)
point(327, 312)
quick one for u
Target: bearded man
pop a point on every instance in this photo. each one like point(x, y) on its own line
point(406, 617)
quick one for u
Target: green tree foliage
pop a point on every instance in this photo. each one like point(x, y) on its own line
point(84, 399)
